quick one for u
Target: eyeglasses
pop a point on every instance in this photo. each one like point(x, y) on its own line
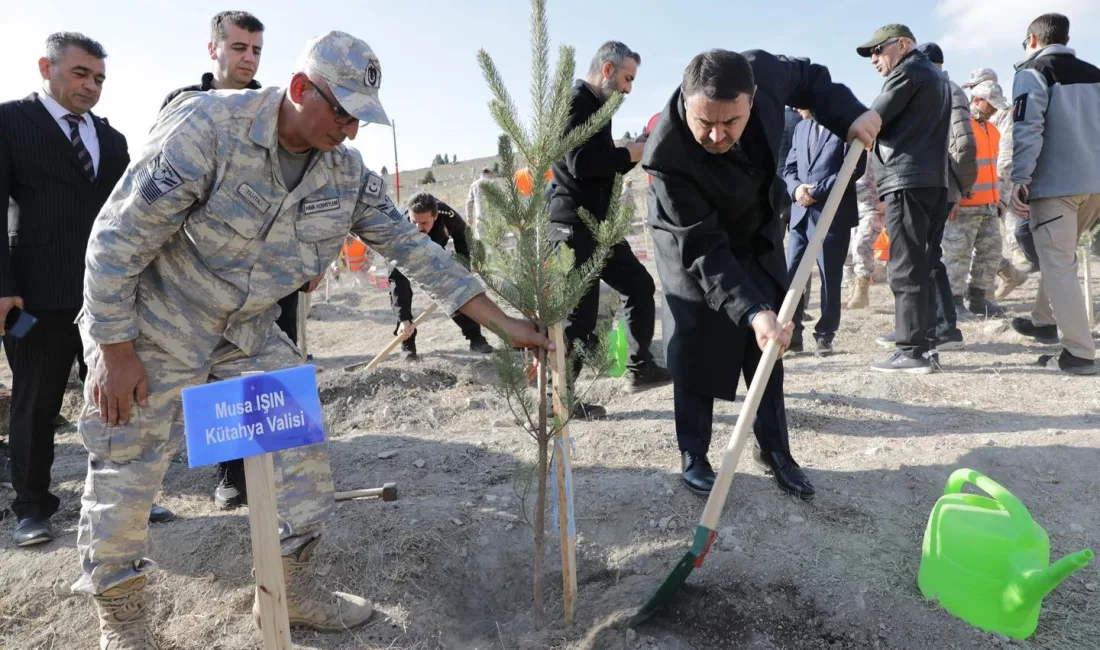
point(877, 50)
point(343, 118)
point(1027, 41)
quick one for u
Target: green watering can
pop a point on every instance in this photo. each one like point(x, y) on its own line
point(986, 561)
point(617, 349)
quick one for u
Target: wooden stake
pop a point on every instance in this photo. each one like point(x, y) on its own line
point(263, 518)
point(303, 315)
point(562, 464)
point(1085, 255)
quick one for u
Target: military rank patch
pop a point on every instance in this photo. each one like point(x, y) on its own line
point(373, 185)
point(394, 213)
point(157, 179)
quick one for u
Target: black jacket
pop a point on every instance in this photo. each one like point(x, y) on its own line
point(716, 266)
point(448, 225)
point(206, 84)
point(50, 203)
point(584, 178)
point(915, 106)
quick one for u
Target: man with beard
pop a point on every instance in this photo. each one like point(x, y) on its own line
point(720, 254)
point(584, 179)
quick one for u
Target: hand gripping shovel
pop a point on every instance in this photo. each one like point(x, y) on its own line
point(704, 534)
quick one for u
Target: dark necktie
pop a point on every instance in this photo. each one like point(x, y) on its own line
point(82, 154)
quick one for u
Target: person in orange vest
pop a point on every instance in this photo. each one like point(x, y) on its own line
point(972, 241)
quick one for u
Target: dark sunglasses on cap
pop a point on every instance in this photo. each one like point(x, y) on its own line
point(343, 118)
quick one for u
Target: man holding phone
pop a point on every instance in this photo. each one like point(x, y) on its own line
point(58, 164)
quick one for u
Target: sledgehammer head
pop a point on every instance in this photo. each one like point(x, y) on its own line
point(389, 491)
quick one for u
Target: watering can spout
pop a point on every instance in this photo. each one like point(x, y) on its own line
point(1037, 584)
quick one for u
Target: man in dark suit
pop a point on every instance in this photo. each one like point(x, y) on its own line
point(440, 223)
point(584, 179)
point(720, 256)
point(58, 164)
point(810, 172)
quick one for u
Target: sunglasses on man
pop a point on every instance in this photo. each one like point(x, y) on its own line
point(343, 118)
point(878, 49)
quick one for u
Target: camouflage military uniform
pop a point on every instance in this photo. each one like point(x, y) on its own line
point(187, 259)
point(972, 244)
point(872, 219)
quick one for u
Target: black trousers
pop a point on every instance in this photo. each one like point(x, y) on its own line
point(695, 413)
point(912, 216)
point(40, 367)
point(946, 319)
point(830, 263)
point(626, 275)
point(288, 323)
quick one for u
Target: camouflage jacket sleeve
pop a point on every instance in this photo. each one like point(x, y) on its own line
point(147, 206)
point(382, 227)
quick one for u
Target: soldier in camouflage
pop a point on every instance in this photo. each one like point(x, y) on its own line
point(237, 199)
point(973, 241)
point(1017, 238)
point(872, 219)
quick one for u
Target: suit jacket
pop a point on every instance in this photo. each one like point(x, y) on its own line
point(51, 204)
point(716, 268)
point(816, 160)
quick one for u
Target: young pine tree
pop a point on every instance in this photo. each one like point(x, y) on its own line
point(516, 258)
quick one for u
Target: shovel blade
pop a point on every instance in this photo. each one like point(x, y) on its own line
point(667, 591)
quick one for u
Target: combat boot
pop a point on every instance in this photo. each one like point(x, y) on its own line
point(861, 297)
point(1011, 278)
point(979, 306)
point(123, 617)
point(309, 604)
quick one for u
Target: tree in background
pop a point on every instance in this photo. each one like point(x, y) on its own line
point(385, 172)
point(517, 260)
point(428, 178)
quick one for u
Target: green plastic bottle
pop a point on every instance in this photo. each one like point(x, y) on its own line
point(618, 349)
point(986, 561)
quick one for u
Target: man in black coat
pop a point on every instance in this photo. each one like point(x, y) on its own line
point(440, 223)
point(720, 256)
point(58, 164)
point(915, 105)
point(584, 179)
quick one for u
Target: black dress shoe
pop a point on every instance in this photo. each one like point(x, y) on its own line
point(788, 474)
point(697, 473)
point(648, 376)
point(31, 531)
point(481, 346)
point(160, 515)
point(232, 492)
point(590, 412)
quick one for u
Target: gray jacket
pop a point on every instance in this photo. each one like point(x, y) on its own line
point(962, 149)
point(1056, 144)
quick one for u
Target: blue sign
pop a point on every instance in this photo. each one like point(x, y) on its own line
point(252, 415)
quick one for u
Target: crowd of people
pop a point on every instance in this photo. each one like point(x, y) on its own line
point(184, 264)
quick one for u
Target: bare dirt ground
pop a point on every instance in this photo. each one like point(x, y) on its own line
point(448, 564)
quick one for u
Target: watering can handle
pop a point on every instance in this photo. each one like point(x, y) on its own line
point(1021, 518)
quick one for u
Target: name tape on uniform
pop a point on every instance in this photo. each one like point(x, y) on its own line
point(252, 415)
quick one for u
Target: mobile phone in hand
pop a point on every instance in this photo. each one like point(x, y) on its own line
point(18, 323)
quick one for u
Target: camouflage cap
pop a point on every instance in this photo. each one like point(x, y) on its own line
point(980, 75)
point(883, 34)
point(991, 92)
point(351, 70)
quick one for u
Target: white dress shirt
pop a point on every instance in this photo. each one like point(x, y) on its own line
point(87, 127)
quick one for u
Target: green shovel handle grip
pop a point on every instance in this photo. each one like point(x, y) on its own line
point(1021, 518)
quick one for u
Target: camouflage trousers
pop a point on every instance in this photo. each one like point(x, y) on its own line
point(861, 251)
point(126, 464)
point(972, 249)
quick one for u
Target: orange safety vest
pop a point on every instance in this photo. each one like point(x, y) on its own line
point(524, 181)
point(986, 188)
